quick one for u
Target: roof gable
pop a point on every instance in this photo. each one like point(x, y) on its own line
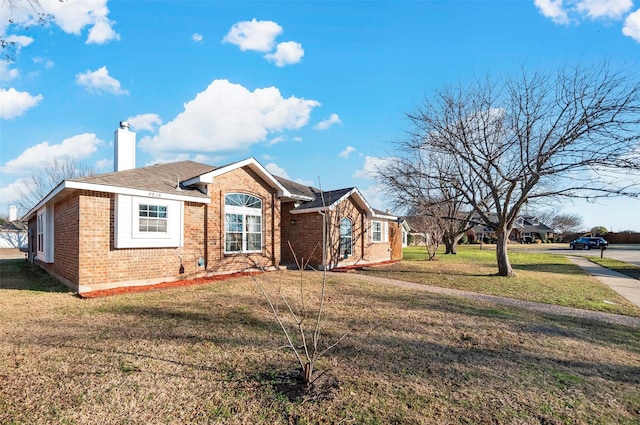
point(209, 176)
point(329, 200)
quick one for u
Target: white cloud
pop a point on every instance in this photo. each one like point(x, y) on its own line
point(304, 182)
point(277, 171)
point(76, 147)
point(553, 9)
point(632, 26)
point(14, 103)
point(326, 124)
point(613, 9)
point(71, 16)
point(19, 40)
point(100, 81)
point(346, 152)
point(286, 53)
point(253, 35)
point(104, 165)
point(13, 192)
point(376, 197)
point(566, 11)
point(276, 140)
point(6, 73)
point(370, 168)
point(197, 37)
point(48, 64)
point(229, 117)
point(102, 32)
point(143, 122)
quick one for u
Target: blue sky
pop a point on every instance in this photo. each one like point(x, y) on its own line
point(315, 91)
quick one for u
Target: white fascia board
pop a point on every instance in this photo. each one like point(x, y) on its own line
point(385, 216)
point(70, 184)
point(310, 210)
point(363, 201)
point(253, 164)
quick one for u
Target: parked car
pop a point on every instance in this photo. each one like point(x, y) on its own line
point(588, 243)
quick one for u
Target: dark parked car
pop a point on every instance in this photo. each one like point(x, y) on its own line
point(588, 243)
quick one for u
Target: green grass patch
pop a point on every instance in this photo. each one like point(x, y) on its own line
point(630, 270)
point(539, 277)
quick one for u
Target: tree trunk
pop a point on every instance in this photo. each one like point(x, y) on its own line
point(451, 242)
point(504, 265)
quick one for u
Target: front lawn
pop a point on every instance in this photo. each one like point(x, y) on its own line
point(212, 353)
point(540, 277)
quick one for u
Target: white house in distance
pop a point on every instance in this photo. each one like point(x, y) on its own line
point(13, 234)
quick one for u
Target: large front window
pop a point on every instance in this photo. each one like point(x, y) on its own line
point(242, 223)
point(346, 237)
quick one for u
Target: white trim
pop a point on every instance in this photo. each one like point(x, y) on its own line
point(384, 231)
point(126, 222)
point(44, 251)
point(251, 162)
point(70, 184)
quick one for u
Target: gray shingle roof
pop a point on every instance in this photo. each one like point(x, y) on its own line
point(324, 199)
point(297, 189)
point(161, 178)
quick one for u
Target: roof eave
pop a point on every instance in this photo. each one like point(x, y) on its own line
point(76, 185)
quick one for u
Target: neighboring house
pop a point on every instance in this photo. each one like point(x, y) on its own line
point(526, 229)
point(182, 220)
point(13, 234)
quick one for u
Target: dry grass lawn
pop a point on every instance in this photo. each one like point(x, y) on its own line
point(212, 354)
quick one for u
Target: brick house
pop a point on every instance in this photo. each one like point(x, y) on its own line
point(137, 227)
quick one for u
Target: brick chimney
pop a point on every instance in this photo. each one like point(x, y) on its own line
point(124, 144)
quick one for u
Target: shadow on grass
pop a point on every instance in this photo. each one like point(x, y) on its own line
point(22, 275)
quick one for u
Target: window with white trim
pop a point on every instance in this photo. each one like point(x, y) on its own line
point(378, 233)
point(346, 238)
point(152, 218)
point(242, 223)
point(144, 222)
point(44, 234)
point(40, 232)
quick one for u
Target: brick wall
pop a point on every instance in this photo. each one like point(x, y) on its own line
point(304, 231)
point(102, 264)
point(85, 256)
point(243, 180)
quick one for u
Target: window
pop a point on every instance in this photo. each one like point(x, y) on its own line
point(44, 234)
point(242, 223)
point(152, 218)
point(143, 222)
point(346, 237)
point(40, 232)
point(378, 233)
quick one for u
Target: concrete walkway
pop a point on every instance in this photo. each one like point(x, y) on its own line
point(624, 285)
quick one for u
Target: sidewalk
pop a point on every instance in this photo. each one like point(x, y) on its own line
point(624, 285)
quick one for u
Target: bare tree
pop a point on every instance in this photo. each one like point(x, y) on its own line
point(532, 136)
point(30, 8)
point(564, 223)
point(42, 181)
point(418, 180)
point(431, 226)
